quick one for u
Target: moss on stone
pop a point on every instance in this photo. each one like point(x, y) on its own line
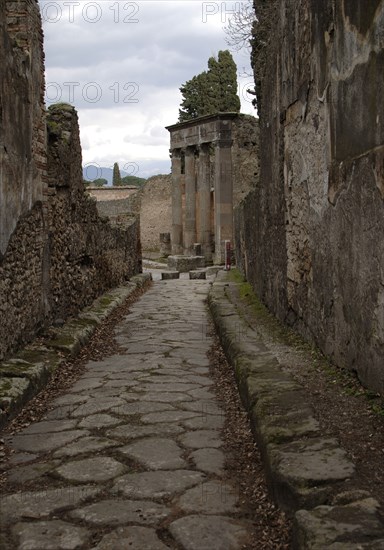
point(60, 107)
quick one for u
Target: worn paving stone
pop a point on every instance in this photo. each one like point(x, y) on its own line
point(167, 416)
point(40, 504)
point(201, 393)
point(166, 397)
point(203, 407)
point(31, 471)
point(120, 383)
point(85, 445)
point(338, 527)
point(201, 380)
point(49, 535)
point(129, 431)
point(143, 407)
point(205, 421)
point(119, 512)
point(92, 406)
point(61, 412)
point(69, 399)
point(312, 461)
point(196, 532)
point(212, 497)
point(101, 420)
point(40, 443)
point(209, 460)
point(96, 469)
point(49, 426)
point(155, 453)
point(131, 538)
point(21, 458)
point(156, 484)
point(86, 384)
point(201, 438)
point(163, 387)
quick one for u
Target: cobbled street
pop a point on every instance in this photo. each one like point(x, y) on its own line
point(131, 456)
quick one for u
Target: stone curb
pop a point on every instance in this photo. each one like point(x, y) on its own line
point(26, 373)
point(305, 471)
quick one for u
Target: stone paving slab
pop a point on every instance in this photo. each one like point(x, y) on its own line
point(196, 532)
point(120, 512)
point(41, 504)
point(101, 468)
point(35, 364)
point(156, 485)
point(353, 526)
point(46, 535)
point(156, 453)
point(131, 538)
point(132, 455)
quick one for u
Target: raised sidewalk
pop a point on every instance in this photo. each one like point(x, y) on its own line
point(307, 473)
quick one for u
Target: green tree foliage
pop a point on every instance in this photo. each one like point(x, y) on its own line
point(211, 91)
point(133, 180)
point(116, 177)
point(99, 182)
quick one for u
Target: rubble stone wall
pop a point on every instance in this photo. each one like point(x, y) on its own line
point(56, 253)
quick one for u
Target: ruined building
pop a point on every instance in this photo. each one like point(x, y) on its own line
point(313, 228)
point(56, 253)
point(214, 163)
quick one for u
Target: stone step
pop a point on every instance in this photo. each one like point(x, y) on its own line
point(167, 275)
point(195, 274)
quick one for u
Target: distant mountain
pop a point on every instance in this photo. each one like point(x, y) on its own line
point(146, 169)
point(92, 172)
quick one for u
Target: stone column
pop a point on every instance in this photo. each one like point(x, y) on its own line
point(177, 213)
point(223, 197)
point(204, 202)
point(190, 200)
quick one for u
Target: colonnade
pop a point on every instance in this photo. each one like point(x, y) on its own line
point(202, 209)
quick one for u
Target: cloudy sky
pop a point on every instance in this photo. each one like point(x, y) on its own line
point(121, 64)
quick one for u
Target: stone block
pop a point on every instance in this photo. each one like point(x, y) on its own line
point(197, 249)
point(354, 526)
point(168, 275)
point(194, 274)
point(185, 263)
point(165, 244)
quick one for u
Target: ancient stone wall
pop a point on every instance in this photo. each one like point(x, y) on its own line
point(155, 211)
point(111, 193)
point(85, 250)
point(246, 176)
point(316, 250)
point(56, 253)
point(245, 156)
point(22, 119)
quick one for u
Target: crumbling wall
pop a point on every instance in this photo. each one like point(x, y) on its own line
point(87, 254)
point(155, 210)
point(246, 176)
point(316, 249)
point(56, 253)
point(22, 173)
point(22, 120)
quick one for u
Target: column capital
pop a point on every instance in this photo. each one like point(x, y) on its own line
point(190, 150)
point(204, 148)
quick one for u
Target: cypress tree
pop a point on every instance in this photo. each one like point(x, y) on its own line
point(211, 91)
point(116, 178)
